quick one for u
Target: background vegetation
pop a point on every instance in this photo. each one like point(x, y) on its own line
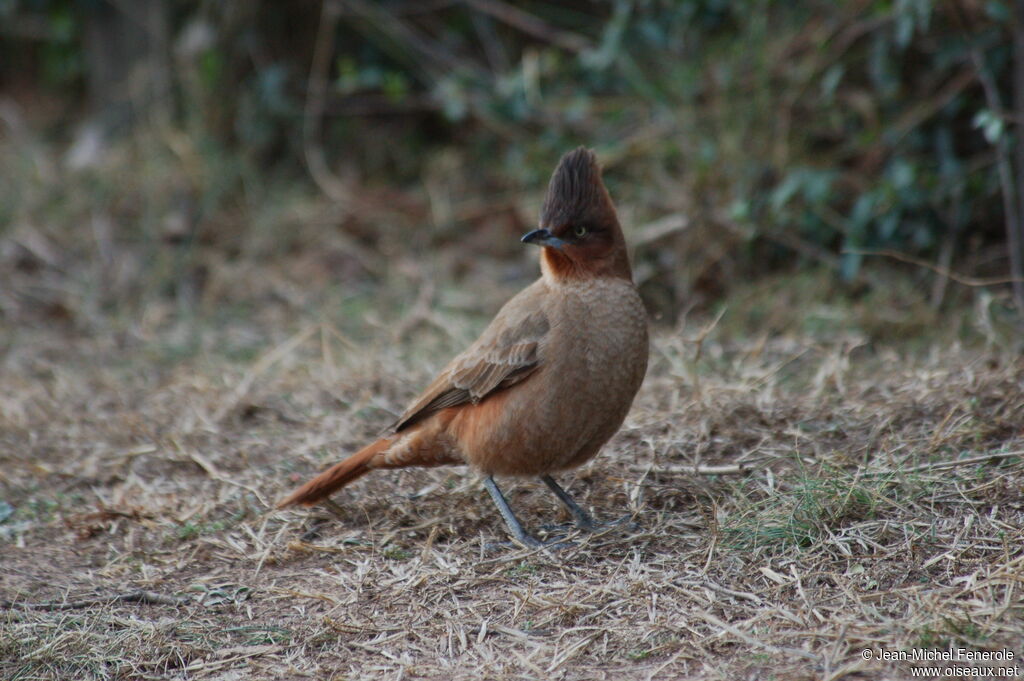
point(237, 237)
point(743, 138)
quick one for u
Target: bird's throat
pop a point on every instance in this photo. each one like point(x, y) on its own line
point(558, 266)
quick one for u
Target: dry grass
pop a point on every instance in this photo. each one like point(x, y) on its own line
point(867, 494)
point(853, 525)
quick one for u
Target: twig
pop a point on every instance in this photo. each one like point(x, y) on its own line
point(945, 260)
point(316, 96)
point(929, 107)
point(420, 312)
point(215, 473)
point(211, 665)
point(958, 278)
point(417, 7)
point(662, 227)
point(1012, 217)
point(375, 104)
point(141, 597)
point(432, 54)
point(699, 342)
point(488, 37)
point(794, 243)
point(724, 469)
point(1018, 113)
point(264, 363)
point(750, 640)
point(743, 595)
point(530, 24)
point(946, 465)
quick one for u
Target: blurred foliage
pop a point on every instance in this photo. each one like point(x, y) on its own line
point(786, 134)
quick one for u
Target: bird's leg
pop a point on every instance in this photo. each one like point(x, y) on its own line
point(582, 518)
point(510, 518)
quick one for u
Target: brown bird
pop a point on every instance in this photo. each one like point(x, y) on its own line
point(551, 378)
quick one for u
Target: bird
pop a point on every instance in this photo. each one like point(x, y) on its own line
point(550, 379)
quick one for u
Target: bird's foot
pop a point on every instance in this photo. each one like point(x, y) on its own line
point(626, 522)
point(313, 530)
point(591, 526)
point(558, 544)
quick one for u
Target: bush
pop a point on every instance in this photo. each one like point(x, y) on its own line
point(785, 133)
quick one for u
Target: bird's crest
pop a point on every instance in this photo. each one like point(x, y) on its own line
point(575, 192)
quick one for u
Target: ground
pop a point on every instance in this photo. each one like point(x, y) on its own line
point(797, 497)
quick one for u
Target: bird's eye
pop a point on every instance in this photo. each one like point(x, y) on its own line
point(580, 231)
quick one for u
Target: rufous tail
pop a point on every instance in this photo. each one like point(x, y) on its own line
point(336, 477)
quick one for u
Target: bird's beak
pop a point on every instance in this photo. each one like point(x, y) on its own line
point(542, 237)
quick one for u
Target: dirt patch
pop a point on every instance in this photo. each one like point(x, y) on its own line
point(796, 501)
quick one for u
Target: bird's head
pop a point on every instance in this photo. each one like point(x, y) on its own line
point(579, 230)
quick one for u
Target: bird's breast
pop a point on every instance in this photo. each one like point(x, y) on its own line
point(593, 361)
point(603, 350)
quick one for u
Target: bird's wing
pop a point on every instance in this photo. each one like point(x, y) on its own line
point(507, 352)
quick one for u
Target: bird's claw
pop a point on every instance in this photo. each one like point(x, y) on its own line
point(591, 526)
point(551, 545)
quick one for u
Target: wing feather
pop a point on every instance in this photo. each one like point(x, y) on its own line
point(507, 352)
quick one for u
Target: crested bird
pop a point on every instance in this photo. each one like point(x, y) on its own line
point(551, 378)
